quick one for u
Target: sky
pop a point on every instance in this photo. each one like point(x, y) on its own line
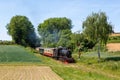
point(39, 10)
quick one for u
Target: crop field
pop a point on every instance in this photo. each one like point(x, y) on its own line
point(113, 46)
point(18, 63)
point(14, 53)
point(115, 34)
point(27, 73)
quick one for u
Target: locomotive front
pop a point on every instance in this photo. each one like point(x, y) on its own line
point(64, 55)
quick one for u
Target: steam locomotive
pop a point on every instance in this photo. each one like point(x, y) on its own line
point(61, 53)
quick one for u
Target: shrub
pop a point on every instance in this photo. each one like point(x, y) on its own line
point(114, 39)
point(6, 42)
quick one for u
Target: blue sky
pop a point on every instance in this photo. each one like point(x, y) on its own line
point(39, 10)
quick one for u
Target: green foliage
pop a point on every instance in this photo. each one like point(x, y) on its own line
point(64, 38)
point(101, 47)
point(22, 31)
point(7, 42)
point(114, 39)
point(14, 53)
point(55, 32)
point(87, 44)
point(97, 28)
point(78, 39)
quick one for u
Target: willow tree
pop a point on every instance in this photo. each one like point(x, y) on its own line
point(97, 28)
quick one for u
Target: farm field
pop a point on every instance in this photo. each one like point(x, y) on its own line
point(15, 53)
point(18, 63)
point(115, 34)
point(113, 46)
point(27, 73)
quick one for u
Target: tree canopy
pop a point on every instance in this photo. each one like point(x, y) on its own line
point(96, 27)
point(53, 31)
point(22, 31)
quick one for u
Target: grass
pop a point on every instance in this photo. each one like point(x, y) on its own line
point(85, 68)
point(114, 41)
point(78, 74)
point(109, 64)
point(15, 53)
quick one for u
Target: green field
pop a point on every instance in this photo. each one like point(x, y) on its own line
point(85, 68)
point(15, 53)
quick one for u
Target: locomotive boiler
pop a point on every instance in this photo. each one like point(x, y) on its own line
point(61, 53)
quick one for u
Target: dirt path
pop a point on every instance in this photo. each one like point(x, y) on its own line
point(27, 73)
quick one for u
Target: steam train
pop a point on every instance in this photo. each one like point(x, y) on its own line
point(61, 53)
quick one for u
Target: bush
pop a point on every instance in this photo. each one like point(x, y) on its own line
point(6, 42)
point(114, 39)
point(102, 48)
point(87, 44)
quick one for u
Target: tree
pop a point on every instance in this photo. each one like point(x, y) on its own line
point(22, 31)
point(79, 40)
point(97, 29)
point(51, 31)
point(64, 38)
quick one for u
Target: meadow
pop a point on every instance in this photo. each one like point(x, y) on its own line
point(85, 68)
